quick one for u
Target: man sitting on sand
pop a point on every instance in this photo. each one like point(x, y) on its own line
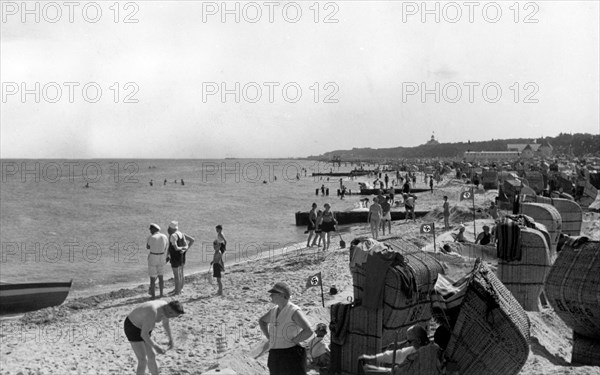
point(139, 325)
point(318, 351)
point(460, 236)
point(485, 237)
point(416, 337)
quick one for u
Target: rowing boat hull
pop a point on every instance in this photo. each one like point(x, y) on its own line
point(20, 298)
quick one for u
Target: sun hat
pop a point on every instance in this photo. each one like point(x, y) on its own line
point(174, 225)
point(281, 288)
point(152, 225)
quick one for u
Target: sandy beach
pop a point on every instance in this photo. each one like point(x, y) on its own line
point(85, 336)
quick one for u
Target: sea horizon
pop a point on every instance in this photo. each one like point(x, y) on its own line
point(55, 229)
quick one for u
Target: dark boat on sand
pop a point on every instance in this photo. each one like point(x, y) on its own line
point(20, 298)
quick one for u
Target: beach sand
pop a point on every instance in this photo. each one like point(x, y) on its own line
point(85, 335)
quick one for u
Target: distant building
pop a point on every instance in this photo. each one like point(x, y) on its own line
point(491, 155)
point(432, 141)
point(546, 149)
point(527, 152)
point(532, 150)
point(519, 147)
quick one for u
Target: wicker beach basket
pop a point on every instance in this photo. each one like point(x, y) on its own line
point(402, 309)
point(586, 351)
point(549, 217)
point(562, 181)
point(525, 278)
point(536, 181)
point(589, 193)
point(363, 337)
point(489, 179)
point(573, 286)
point(491, 334)
point(570, 212)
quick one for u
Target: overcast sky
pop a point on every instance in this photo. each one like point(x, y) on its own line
point(366, 68)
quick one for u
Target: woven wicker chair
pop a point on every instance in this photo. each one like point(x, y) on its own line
point(586, 351)
point(573, 286)
point(491, 333)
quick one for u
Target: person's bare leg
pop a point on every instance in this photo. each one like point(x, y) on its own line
point(161, 285)
point(181, 278)
point(152, 290)
point(152, 365)
point(140, 353)
point(175, 279)
point(220, 284)
point(310, 234)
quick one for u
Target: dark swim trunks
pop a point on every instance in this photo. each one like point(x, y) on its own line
point(328, 227)
point(216, 270)
point(133, 333)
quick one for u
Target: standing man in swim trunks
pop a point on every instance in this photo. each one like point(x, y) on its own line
point(312, 224)
point(374, 218)
point(158, 244)
point(139, 325)
point(386, 216)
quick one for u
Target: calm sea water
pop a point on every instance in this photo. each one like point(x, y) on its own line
point(53, 228)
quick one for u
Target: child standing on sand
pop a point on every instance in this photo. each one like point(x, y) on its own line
point(218, 265)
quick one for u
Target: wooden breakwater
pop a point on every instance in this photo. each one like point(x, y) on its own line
point(353, 217)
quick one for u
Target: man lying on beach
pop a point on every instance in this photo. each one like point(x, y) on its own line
point(416, 337)
point(139, 325)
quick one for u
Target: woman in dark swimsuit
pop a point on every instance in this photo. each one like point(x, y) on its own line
point(327, 225)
